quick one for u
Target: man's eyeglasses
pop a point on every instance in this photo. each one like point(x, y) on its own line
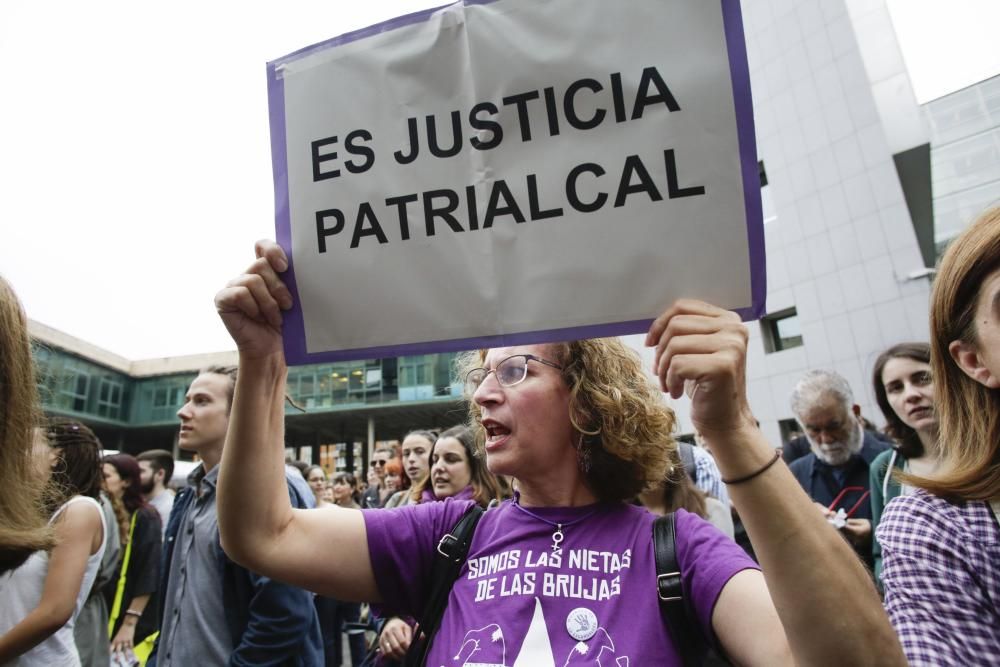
point(378, 462)
point(834, 429)
point(509, 372)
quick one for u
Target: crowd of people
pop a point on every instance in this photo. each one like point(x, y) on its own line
point(887, 540)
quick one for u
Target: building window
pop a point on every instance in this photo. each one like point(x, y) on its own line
point(166, 399)
point(74, 389)
point(161, 397)
point(781, 331)
point(766, 197)
point(790, 430)
point(416, 377)
point(109, 398)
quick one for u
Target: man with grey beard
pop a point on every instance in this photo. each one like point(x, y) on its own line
point(835, 474)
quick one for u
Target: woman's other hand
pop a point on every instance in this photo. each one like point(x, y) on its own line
point(395, 638)
point(250, 305)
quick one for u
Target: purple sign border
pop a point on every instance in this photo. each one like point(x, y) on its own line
point(294, 323)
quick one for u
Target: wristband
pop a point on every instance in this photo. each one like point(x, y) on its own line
point(747, 478)
point(133, 612)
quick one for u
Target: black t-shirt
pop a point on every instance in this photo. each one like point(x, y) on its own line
point(143, 576)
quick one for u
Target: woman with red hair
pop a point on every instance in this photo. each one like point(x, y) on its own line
point(132, 615)
point(397, 482)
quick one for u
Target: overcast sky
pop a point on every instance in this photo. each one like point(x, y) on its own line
point(135, 169)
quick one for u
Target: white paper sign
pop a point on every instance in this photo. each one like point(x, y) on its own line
point(515, 171)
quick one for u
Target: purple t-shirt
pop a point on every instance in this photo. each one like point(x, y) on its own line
point(516, 603)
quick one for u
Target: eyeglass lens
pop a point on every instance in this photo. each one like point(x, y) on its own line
point(509, 371)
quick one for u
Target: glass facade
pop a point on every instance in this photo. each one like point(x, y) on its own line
point(73, 386)
point(159, 398)
point(965, 156)
point(76, 387)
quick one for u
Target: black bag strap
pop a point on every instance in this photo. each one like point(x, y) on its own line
point(688, 461)
point(669, 588)
point(452, 550)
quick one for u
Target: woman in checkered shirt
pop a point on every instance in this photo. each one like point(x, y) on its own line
point(941, 545)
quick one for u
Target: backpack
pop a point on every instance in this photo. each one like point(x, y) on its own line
point(453, 549)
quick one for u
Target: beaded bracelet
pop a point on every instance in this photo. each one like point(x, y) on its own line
point(740, 480)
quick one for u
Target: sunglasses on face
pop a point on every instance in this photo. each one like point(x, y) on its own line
point(379, 462)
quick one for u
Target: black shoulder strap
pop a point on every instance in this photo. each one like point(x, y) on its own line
point(688, 461)
point(683, 628)
point(452, 551)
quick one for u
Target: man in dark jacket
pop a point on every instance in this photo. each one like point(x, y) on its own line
point(213, 611)
point(835, 473)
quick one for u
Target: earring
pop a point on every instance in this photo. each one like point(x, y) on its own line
point(583, 455)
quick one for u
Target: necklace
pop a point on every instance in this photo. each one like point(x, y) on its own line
point(557, 534)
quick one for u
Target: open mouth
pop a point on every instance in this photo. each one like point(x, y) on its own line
point(496, 433)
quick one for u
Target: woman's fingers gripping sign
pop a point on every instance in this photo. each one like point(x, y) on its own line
point(250, 305)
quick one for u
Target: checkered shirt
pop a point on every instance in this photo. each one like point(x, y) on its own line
point(707, 476)
point(941, 571)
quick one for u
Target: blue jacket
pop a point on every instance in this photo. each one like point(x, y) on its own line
point(819, 482)
point(271, 623)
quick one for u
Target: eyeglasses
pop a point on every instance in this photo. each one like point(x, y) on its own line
point(509, 372)
point(834, 428)
point(378, 462)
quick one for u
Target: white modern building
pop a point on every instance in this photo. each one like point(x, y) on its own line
point(861, 186)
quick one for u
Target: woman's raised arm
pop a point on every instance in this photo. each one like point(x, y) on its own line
point(322, 550)
point(825, 599)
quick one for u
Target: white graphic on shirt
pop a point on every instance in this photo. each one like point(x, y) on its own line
point(536, 651)
point(595, 576)
point(483, 647)
point(598, 651)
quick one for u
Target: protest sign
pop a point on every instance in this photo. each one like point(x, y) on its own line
point(494, 173)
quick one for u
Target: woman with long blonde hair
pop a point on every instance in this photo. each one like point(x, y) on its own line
point(23, 526)
point(941, 545)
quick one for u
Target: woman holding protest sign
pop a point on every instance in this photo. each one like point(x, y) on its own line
point(564, 572)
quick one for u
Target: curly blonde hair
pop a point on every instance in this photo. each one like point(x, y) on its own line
point(626, 428)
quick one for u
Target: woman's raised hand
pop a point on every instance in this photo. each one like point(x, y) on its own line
point(250, 305)
point(701, 349)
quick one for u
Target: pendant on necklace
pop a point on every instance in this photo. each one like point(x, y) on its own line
point(557, 538)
